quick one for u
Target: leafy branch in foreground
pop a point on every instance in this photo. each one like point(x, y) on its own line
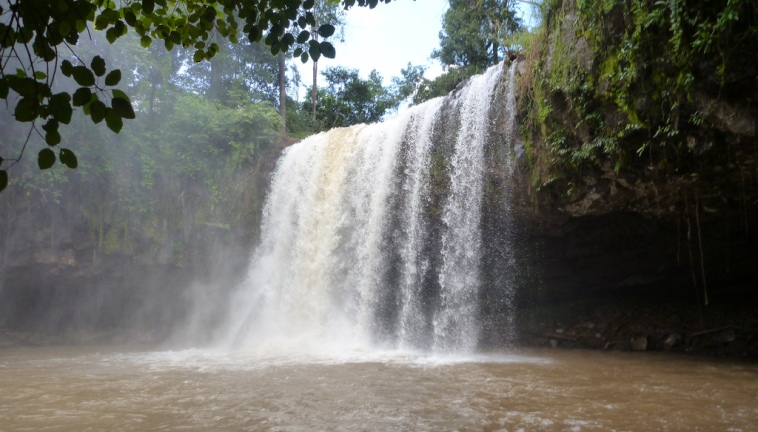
point(38, 39)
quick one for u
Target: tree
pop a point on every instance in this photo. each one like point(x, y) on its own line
point(38, 40)
point(348, 99)
point(472, 31)
point(324, 11)
point(240, 72)
point(409, 83)
point(471, 40)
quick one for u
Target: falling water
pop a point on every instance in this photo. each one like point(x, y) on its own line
point(371, 235)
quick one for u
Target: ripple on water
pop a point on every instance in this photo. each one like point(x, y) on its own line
point(197, 389)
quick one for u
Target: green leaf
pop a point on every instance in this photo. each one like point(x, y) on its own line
point(304, 58)
point(314, 50)
point(40, 75)
point(119, 94)
point(145, 41)
point(51, 124)
point(288, 39)
point(3, 180)
point(113, 120)
point(68, 158)
point(308, 4)
point(298, 52)
point(130, 18)
point(26, 110)
point(148, 6)
point(26, 87)
point(60, 107)
point(82, 96)
point(113, 77)
point(3, 89)
point(199, 56)
point(112, 34)
point(327, 49)
point(123, 108)
point(64, 27)
point(67, 68)
point(326, 30)
point(97, 111)
point(101, 22)
point(52, 136)
point(45, 158)
point(303, 36)
point(98, 66)
point(83, 76)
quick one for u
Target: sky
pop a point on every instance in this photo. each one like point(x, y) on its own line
point(386, 38)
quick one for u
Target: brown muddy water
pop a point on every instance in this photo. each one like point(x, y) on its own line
point(103, 389)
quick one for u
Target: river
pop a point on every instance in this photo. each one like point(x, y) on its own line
point(106, 388)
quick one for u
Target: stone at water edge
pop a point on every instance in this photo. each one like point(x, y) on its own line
point(725, 336)
point(639, 343)
point(672, 340)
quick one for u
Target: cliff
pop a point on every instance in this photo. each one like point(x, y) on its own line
point(636, 191)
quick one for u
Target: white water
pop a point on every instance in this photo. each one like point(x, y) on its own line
point(345, 263)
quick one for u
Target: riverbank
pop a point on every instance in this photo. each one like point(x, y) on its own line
point(648, 320)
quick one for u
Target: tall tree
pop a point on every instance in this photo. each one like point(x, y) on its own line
point(282, 79)
point(325, 11)
point(472, 36)
point(349, 99)
point(472, 31)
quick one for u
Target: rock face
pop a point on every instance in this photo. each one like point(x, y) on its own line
point(661, 231)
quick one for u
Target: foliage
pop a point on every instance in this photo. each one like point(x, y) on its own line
point(474, 36)
point(443, 84)
point(38, 40)
point(332, 16)
point(602, 88)
point(239, 73)
point(151, 192)
point(348, 99)
point(409, 83)
point(472, 31)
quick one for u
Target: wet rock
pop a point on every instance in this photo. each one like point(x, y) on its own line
point(671, 341)
point(724, 336)
point(639, 343)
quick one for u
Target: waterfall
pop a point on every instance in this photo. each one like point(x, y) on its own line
point(371, 235)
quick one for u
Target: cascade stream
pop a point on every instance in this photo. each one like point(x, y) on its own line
point(371, 234)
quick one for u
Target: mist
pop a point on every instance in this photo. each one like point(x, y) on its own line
point(143, 242)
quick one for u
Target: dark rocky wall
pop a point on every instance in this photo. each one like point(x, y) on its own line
point(624, 250)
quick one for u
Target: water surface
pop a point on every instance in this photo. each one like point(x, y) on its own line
point(81, 389)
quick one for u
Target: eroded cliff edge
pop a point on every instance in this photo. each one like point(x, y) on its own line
point(635, 196)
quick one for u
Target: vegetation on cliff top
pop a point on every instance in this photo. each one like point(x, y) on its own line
point(640, 82)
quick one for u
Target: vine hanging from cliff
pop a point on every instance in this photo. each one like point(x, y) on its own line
point(638, 82)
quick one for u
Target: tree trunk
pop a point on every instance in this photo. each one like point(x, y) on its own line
point(214, 89)
point(282, 91)
point(314, 92)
